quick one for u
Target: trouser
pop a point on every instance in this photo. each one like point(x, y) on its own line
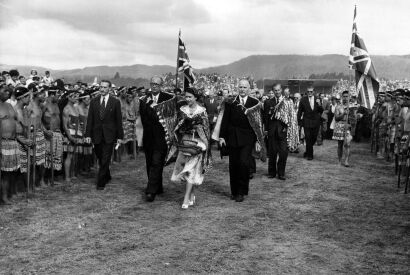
point(252, 165)
point(103, 152)
point(310, 138)
point(277, 147)
point(239, 169)
point(155, 160)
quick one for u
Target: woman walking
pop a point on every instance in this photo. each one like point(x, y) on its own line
point(193, 144)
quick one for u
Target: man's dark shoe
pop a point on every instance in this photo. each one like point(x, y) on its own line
point(270, 176)
point(310, 158)
point(251, 176)
point(100, 187)
point(281, 177)
point(233, 197)
point(304, 154)
point(150, 197)
point(239, 198)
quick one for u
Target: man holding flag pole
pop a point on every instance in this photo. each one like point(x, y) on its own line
point(367, 87)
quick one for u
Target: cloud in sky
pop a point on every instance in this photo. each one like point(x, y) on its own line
point(76, 33)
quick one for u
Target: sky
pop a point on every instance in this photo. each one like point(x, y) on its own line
point(66, 34)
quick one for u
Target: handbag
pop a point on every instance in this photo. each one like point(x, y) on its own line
point(189, 147)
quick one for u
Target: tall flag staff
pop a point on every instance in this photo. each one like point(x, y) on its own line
point(183, 65)
point(176, 73)
point(367, 83)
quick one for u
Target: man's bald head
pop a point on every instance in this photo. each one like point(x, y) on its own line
point(156, 83)
point(244, 87)
point(156, 79)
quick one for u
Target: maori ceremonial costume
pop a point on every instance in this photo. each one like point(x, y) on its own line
point(287, 115)
point(346, 128)
point(86, 148)
point(40, 149)
point(57, 153)
point(158, 119)
point(9, 155)
point(241, 127)
point(73, 128)
point(128, 124)
point(193, 127)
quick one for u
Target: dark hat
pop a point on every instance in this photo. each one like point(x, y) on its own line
point(86, 93)
point(4, 72)
point(72, 93)
point(14, 73)
point(21, 92)
point(52, 90)
point(32, 86)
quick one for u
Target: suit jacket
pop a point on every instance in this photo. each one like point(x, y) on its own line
point(307, 117)
point(109, 129)
point(154, 133)
point(325, 106)
point(271, 124)
point(235, 127)
point(211, 109)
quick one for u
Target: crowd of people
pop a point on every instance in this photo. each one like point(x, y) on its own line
point(52, 132)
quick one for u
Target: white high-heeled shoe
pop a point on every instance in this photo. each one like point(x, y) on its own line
point(185, 205)
point(192, 202)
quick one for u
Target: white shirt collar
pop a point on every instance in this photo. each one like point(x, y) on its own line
point(244, 99)
point(105, 98)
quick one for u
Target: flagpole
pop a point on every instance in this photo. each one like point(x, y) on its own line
point(176, 73)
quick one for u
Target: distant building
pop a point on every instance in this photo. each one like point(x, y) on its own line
point(300, 85)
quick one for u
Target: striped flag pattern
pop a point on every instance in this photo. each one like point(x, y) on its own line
point(367, 83)
point(183, 64)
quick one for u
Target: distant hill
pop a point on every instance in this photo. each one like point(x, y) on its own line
point(260, 66)
point(302, 66)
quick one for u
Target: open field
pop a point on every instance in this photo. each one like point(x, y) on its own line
point(324, 219)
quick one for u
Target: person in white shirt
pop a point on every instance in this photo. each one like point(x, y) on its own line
point(48, 79)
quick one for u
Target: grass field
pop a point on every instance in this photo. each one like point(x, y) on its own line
point(324, 219)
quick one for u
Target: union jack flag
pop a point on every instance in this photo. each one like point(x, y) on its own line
point(367, 83)
point(183, 64)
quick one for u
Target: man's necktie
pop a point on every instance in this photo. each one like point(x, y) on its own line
point(102, 109)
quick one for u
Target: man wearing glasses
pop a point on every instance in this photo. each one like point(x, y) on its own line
point(154, 142)
point(309, 115)
point(104, 127)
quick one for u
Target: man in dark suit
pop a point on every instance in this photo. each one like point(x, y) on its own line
point(309, 117)
point(211, 106)
point(237, 134)
point(154, 142)
point(104, 127)
point(276, 131)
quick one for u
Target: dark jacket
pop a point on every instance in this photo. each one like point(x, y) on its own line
point(211, 109)
point(307, 117)
point(270, 123)
point(235, 127)
point(109, 129)
point(154, 134)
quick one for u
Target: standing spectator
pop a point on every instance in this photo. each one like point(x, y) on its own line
point(48, 79)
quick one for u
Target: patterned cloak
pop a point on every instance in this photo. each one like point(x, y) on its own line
point(255, 120)
point(202, 129)
point(167, 115)
point(286, 113)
